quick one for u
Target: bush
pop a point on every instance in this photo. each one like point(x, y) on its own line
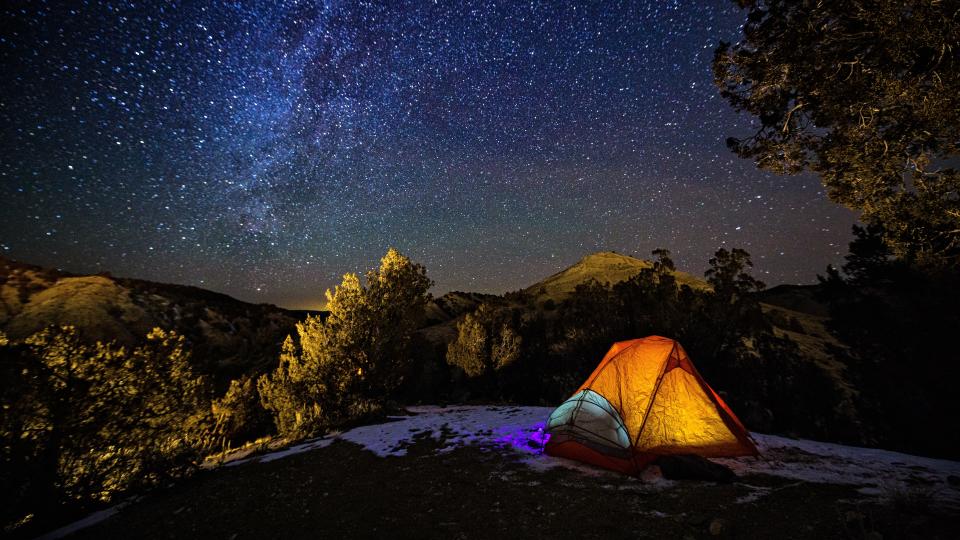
point(83, 423)
point(486, 342)
point(355, 359)
point(239, 415)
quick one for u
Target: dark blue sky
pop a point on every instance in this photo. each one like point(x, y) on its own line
point(264, 148)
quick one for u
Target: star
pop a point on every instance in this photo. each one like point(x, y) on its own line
point(264, 149)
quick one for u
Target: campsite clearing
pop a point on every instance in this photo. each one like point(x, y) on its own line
point(477, 472)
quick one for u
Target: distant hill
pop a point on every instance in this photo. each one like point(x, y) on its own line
point(604, 267)
point(443, 313)
point(454, 304)
point(793, 310)
point(799, 298)
point(228, 337)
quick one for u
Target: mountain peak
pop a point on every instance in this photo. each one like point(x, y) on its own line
point(604, 267)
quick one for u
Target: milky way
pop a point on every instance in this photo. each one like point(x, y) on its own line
point(264, 148)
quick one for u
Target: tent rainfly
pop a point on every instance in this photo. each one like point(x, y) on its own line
point(645, 399)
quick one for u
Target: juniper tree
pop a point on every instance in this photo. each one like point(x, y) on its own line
point(82, 423)
point(356, 357)
point(866, 95)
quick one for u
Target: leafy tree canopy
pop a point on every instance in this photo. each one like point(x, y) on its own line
point(867, 95)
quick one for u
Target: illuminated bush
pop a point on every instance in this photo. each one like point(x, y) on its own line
point(486, 342)
point(82, 422)
point(357, 357)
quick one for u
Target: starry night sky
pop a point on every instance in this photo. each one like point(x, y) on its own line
point(262, 149)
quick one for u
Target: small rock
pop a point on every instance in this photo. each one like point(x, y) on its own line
point(852, 517)
point(717, 527)
point(692, 467)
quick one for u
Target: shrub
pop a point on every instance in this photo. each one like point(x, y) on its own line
point(486, 342)
point(83, 423)
point(239, 415)
point(356, 358)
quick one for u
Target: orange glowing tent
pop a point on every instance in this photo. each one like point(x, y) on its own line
point(644, 400)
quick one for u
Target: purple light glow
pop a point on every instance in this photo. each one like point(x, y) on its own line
point(526, 439)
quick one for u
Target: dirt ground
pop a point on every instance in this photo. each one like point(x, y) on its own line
point(343, 491)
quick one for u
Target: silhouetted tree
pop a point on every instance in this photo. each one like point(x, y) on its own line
point(588, 321)
point(729, 275)
point(867, 95)
point(732, 313)
point(899, 322)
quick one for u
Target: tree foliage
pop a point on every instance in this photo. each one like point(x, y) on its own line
point(899, 324)
point(487, 341)
point(729, 275)
point(238, 415)
point(867, 95)
point(355, 358)
point(82, 423)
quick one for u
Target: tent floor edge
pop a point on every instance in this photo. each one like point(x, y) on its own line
point(571, 449)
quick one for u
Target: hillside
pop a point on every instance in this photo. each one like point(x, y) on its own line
point(793, 310)
point(232, 337)
point(796, 313)
point(229, 337)
point(603, 267)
